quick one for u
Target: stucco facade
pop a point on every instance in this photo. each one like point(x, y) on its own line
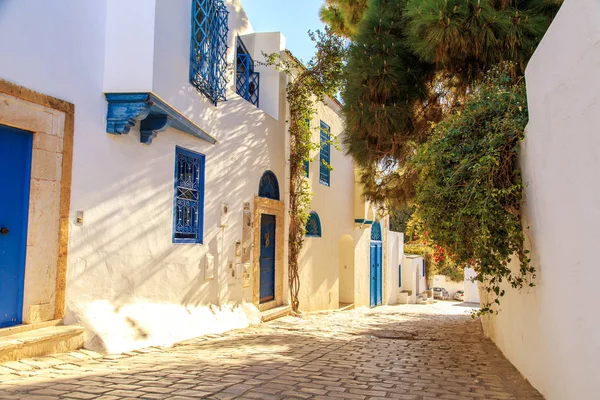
point(125, 280)
point(550, 331)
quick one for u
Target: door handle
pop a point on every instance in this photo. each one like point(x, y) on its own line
point(4, 231)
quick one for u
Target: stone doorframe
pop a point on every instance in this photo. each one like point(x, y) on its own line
point(52, 123)
point(277, 208)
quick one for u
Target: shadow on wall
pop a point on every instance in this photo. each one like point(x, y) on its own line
point(123, 254)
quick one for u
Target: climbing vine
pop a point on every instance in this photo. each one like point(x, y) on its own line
point(308, 85)
point(470, 189)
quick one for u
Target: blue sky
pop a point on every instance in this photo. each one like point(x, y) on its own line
point(292, 17)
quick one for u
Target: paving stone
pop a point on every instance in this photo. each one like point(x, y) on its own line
point(408, 352)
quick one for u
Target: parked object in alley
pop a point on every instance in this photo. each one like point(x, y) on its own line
point(459, 295)
point(440, 293)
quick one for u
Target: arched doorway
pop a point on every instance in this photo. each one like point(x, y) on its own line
point(376, 274)
point(346, 270)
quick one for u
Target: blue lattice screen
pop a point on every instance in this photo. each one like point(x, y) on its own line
point(208, 59)
point(247, 81)
point(325, 155)
point(313, 225)
point(188, 213)
point(376, 231)
point(268, 186)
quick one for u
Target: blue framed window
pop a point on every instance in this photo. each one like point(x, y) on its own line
point(325, 155)
point(268, 186)
point(188, 204)
point(423, 267)
point(246, 80)
point(208, 55)
point(313, 225)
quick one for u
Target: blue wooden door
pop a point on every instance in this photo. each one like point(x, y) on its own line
point(376, 274)
point(15, 173)
point(267, 258)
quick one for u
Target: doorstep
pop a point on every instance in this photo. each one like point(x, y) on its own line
point(274, 313)
point(28, 343)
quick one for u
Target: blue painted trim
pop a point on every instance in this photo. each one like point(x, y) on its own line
point(325, 155)
point(200, 238)
point(126, 109)
point(315, 216)
point(399, 275)
point(363, 221)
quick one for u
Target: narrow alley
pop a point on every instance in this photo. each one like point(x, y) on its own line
point(393, 352)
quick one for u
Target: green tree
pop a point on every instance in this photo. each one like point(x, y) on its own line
point(343, 16)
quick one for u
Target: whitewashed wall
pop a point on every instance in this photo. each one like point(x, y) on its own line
point(127, 282)
point(320, 257)
point(550, 332)
point(395, 251)
point(471, 287)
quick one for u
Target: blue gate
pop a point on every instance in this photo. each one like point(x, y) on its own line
point(376, 265)
point(15, 174)
point(267, 258)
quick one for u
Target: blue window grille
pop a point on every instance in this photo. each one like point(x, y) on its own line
point(208, 58)
point(376, 231)
point(247, 81)
point(268, 186)
point(188, 208)
point(313, 225)
point(325, 155)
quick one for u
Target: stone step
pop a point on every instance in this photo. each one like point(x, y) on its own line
point(28, 327)
point(274, 313)
point(40, 342)
point(346, 306)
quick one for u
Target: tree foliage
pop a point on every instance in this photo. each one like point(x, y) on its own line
point(343, 16)
point(470, 191)
point(410, 61)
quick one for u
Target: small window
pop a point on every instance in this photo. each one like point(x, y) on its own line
point(313, 225)
point(268, 186)
point(399, 275)
point(208, 58)
point(246, 81)
point(325, 155)
point(188, 209)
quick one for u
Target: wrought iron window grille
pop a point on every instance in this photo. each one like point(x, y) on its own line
point(208, 55)
point(325, 155)
point(188, 208)
point(268, 186)
point(313, 225)
point(247, 81)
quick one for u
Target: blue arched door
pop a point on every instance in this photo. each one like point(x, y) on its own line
point(376, 274)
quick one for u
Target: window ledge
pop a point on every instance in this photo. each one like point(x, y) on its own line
point(156, 115)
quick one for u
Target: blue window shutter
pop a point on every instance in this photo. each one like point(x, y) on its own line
point(306, 162)
point(325, 155)
point(246, 80)
point(208, 53)
point(188, 202)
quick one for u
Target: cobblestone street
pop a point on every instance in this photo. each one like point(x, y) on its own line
point(392, 352)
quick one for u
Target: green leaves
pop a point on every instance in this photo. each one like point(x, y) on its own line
point(470, 190)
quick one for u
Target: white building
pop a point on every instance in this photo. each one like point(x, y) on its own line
point(550, 332)
point(157, 211)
